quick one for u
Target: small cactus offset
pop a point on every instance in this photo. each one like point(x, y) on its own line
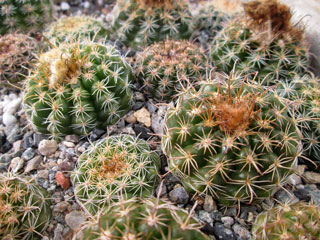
point(76, 27)
point(24, 208)
point(263, 41)
point(142, 22)
point(117, 164)
point(303, 95)
point(149, 219)
point(24, 15)
point(288, 222)
point(231, 139)
point(16, 55)
point(76, 87)
point(166, 68)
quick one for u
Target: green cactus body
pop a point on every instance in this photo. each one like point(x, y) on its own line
point(288, 222)
point(117, 164)
point(77, 87)
point(24, 208)
point(231, 139)
point(16, 54)
point(250, 45)
point(303, 95)
point(142, 22)
point(76, 27)
point(24, 16)
point(166, 68)
point(149, 219)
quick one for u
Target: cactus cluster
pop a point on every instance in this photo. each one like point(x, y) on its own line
point(76, 87)
point(231, 139)
point(120, 164)
point(75, 28)
point(24, 208)
point(263, 41)
point(164, 69)
point(24, 16)
point(142, 22)
point(16, 55)
point(288, 221)
point(303, 95)
point(149, 219)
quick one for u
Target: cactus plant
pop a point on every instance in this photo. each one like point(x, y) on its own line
point(24, 208)
point(141, 22)
point(165, 68)
point(16, 55)
point(24, 16)
point(150, 219)
point(303, 95)
point(77, 87)
point(263, 41)
point(232, 139)
point(120, 163)
point(288, 221)
point(75, 27)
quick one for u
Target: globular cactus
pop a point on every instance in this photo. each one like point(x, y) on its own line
point(288, 222)
point(76, 27)
point(263, 41)
point(24, 15)
point(208, 21)
point(24, 208)
point(303, 95)
point(142, 22)
point(16, 55)
point(149, 219)
point(117, 164)
point(76, 87)
point(164, 69)
point(232, 139)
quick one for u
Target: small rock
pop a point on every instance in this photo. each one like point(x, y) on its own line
point(157, 120)
point(300, 170)
point(231, 212)
point(285, 196)
point(179, 195)
point(96, 133)
point(65, 166)
point(250, 217)
point(63, 181)
point(294, 179)
point(131, 118)
point(28, 154)
point(64, 6)
point(72, 138)
point(302, 194)
point(38, 137)
point(139, 96)
point(137, 104)
point(143, 116)
point(9, 120)
point(128, 130)
point(209, 204)
point(142, 132)
point(17, 145)
point(227, 221)
point(216, 215)
point(61, 207)
point(68, 144)
point(241, 232)
point(315, 196)
point(33, 164)
point(5, 147)
point(205, 216)
point(43, 174)
point(12, 106)
point(223, 233)
point(16, 164)
point(58, 232)
point(47, 147)
point(311, 177)
point(75, 219)
point(27, 140)
point(86, 5)
point(161, 192)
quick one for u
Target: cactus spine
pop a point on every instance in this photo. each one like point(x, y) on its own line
point(114, 165)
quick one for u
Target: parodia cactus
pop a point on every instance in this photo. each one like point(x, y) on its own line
point(75, 27)
point(24, 15)
point(24, 208)
point(263, 40)
point(16, 54)
point(149, 219)
point(233, 140)
point(303, 93)
point(141, 22)
point(77, 87)
point(288, 222)
point(165, 68)
point(115, 165)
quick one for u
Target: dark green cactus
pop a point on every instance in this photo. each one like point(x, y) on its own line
point(231, 139)
point(142, 22)
point(24, 15)
point(77, 87)
point(24, 208)
point(115, 164)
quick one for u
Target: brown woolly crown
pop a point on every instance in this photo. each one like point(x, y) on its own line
point(155, 3)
